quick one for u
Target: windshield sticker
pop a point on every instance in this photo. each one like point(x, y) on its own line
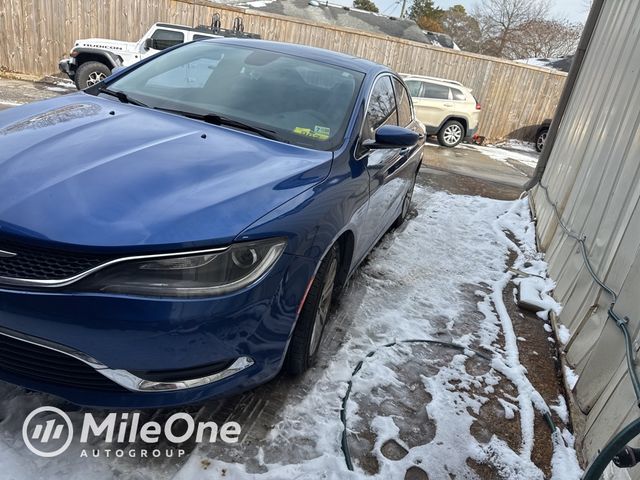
point(319, 133)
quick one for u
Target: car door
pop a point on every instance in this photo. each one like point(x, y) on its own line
point(432, 102)
point(384, 165)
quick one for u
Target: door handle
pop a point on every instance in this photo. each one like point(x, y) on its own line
point(448, 104)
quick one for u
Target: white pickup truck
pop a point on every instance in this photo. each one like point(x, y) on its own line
point(93, 59)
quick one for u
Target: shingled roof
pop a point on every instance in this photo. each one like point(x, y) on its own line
point(323, 12)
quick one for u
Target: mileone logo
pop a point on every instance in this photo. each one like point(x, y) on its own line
point(48, 432)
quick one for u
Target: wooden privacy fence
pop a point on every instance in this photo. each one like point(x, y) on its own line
point(515, 98)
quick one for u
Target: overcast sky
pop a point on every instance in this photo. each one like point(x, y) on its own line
point(574, 10)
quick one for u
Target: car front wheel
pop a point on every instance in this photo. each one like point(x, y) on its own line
point(90, 73)
point(307, 336)
point(451, 134)
point(406, 202)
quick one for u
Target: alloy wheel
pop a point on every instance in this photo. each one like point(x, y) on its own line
point(452, 134)
point(95, 77)
point(406, 205)
point(322, 313)
point(541, 139)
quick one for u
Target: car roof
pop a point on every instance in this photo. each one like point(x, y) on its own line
point(439, 81)
point(310, 53)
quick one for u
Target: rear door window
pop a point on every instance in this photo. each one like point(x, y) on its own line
point(166, 38)
point(438, 92)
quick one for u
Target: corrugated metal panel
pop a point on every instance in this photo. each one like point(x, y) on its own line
point(594, 176)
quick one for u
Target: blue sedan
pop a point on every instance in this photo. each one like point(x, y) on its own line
point(180, 230)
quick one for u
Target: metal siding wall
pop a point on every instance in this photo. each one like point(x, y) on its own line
point(594, 176)
point(35, 34)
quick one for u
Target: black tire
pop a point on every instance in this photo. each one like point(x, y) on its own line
point(451, 134)
point(406, 202)
point(541, 138)
point(304, 345)
point(90, 73)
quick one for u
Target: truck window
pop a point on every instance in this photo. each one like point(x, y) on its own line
point(202, 37)
point(166, 38)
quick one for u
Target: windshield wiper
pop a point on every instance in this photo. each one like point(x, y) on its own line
point(123, 97)
point(229, 122)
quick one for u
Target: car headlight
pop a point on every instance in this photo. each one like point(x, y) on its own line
point(196, 275)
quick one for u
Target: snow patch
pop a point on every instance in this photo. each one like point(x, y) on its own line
point(571, 376)
point(564, 463)
point(561, 409)
point(564, 335)
point(526, 157)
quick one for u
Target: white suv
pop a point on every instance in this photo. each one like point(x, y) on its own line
point(93, 59)
point(447, 108)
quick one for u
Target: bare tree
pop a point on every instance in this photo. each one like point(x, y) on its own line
point(500, 20)
point(545, 39)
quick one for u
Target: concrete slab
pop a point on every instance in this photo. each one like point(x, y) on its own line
point(480, 162)
point(18, 92)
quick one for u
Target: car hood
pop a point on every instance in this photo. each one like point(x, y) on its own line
point(90, 171)
point(105, 44)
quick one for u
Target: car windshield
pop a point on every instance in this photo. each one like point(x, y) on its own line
point(296, 100)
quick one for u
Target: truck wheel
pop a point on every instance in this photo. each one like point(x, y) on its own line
point(307, 335)
point(451, 134)
point(541, 138)
point(90, 73)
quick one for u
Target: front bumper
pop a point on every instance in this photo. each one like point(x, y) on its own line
point(67, 66)
point(247, 332)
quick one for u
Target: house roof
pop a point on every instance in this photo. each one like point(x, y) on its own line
point(324, 12)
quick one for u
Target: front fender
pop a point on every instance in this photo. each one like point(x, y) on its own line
point(313, 220)
point(111, 59)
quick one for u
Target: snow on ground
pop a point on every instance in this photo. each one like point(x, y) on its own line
point(513, 144)
point(506, 152)
point(414, 277)
point(415, 285)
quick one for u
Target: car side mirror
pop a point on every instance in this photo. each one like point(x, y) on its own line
point(148, 43)
point(391, 136)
